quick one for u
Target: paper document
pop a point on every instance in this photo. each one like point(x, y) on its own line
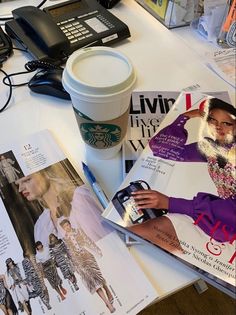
point(222, 62)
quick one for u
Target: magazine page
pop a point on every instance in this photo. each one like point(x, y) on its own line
point(180, 194)
point(57, 255)
point(147, 110)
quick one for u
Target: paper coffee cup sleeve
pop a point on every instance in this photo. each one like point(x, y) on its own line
point(102, 134)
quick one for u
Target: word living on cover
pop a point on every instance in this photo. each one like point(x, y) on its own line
point(158, 107)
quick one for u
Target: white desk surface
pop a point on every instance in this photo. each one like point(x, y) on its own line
point(164, 60)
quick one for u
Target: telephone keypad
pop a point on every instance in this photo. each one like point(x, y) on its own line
point(75, 31)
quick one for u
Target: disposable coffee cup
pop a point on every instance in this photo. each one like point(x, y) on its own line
point(100, 81)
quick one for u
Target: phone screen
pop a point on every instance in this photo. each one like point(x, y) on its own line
point(131, 209)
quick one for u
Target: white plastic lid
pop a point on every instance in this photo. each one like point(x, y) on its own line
point(98, 71)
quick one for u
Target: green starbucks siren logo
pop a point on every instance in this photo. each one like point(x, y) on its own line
point(100, 136)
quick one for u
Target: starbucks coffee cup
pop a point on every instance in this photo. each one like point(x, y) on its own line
point(100, 81)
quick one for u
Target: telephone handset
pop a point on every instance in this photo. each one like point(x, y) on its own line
point(60, 29)
point(43, 30)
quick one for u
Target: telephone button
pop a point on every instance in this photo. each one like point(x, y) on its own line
point(83, 15)
point(93, 12)
point(64, 22)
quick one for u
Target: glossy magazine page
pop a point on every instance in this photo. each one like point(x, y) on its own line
point(147, 110)
point(180, 194)
point(57, 255)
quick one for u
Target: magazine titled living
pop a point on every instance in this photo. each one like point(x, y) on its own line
point(57, 255)
point(147, 110)
point(180, 194)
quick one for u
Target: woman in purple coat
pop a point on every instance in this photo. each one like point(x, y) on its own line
point(218, 151)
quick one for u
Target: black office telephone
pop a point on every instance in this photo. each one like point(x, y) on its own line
point(58, 30)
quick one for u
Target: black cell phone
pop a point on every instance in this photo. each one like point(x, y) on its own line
point(125, 204)
point(5, 46)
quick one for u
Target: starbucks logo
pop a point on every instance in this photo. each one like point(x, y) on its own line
point(100, 136)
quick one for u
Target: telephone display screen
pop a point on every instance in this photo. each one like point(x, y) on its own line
point(96, 25)
point(67, 8)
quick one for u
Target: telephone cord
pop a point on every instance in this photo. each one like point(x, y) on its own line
point(30, 66)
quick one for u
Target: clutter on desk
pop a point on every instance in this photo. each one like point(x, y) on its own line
point(226, 37)
point(218, 22)
point(172, 13)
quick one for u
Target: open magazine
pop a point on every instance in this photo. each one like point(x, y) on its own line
point(180, 194)
point(57, 255)
point(147, 110)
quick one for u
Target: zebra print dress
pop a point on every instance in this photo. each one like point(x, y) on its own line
point(85, 263)
point(50, 273)
point(49, 268)
point(33, 279)
point(6, 298)
point(2, 292)
point(63, 261)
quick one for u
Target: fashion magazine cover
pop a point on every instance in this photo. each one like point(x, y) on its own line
point(180, 194)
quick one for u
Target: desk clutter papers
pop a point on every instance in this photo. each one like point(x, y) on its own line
point(218, 22)
point(223, 63)
point(181, 12)
point(82, 269)
point(172, 13)
point(209, 23)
